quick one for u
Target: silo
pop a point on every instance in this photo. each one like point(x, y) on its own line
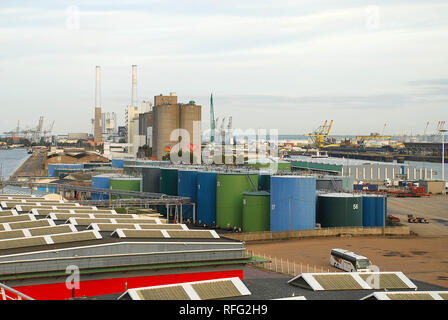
point(169, 181)
point(151, 179)
point(372, 210)
point(101, 182)
point(293, 203)
point(189, 114)
point(206, 198)
point(255, 215)
point(187, 187)
point(166, 120)
point(339, 210)
point(229, 197)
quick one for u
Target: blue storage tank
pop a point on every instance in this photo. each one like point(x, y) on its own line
point(372, 210)
point(206, 198)
point(53, 166)
point(101, 182)
point(117, 163)
point(187, 187)
point(297, 192)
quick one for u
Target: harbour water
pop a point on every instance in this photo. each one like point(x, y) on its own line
point(11, 160)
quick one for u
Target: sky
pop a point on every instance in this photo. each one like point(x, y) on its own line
point(270, 64)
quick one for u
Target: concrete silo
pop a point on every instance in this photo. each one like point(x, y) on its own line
point(165, 120)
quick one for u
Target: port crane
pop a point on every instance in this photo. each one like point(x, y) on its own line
point(319, 135)
point(212, 120)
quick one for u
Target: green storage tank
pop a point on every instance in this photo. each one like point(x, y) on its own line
point(169, 181)
point(126, 184)
point(339, 210)
point(256, 211)
point(229, 197)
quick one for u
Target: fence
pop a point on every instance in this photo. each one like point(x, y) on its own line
point(7, 293)
point(286, 266)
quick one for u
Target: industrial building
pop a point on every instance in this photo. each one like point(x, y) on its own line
point(364, 170)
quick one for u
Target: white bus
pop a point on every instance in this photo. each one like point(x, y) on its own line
point(348, 261)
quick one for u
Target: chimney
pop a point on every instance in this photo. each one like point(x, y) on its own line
point(97, 131)
point(98, 88)
point(134, 85)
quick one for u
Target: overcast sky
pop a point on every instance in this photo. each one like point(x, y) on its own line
point(280, 64)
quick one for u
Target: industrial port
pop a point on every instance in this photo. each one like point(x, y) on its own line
point(164, 203)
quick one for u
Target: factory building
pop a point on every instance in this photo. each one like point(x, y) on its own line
point(169, 115)
point(360, 169)
point(109, 123)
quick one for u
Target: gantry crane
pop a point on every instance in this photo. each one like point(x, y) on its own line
point(319, 135)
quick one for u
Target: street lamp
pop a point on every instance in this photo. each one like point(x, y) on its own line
point(443, 159)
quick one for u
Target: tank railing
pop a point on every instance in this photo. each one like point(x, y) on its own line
point(7, 293)
point(286, 266)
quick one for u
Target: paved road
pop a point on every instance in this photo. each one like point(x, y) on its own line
point(434, 207)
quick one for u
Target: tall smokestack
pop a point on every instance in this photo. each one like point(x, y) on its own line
point(98, 88)
point(97, 132)
point(134, 85)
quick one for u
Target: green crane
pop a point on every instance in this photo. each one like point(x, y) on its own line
point(212, 120)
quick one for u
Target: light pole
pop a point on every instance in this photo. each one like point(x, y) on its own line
point(443, 160)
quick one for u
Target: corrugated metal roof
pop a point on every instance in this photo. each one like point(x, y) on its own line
point(353, 281)
point(30, 224)
point(198, 290)
point(408, 295)
point(175, 234)
point(22, 217)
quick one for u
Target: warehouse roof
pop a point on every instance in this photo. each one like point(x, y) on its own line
point(198, 290)
point(352, 281)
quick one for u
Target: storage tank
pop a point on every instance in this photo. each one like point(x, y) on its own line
point(339, 210)
point(100, 181)
point(264, 182)
point(229, 197)
point(255, 215)
point(187, 187)
point(330, 184)
point(125, 183)
point(169, 181)
point(347, 184)
point(206, 198)
point(372, 210)
point(166, 119)
point(293, 203)
point(151, 179)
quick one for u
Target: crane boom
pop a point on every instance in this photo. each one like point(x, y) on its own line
point(212, 120)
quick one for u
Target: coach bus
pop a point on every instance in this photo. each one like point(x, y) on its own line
point(348, 261)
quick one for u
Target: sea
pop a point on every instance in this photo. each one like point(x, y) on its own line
point(10, 161)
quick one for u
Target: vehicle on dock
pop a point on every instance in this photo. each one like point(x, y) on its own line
point(412, 219)
point(349, 261)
